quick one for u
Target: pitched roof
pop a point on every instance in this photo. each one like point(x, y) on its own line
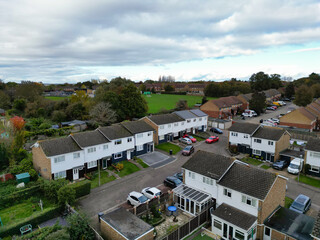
point(271, 92)
point(307, 113)
point(208, 164)
point(251, 181)
point(270, 133)
point(127, 223)
point(198, 112)
point(247, 96)
point(247, 128)
point(137, 126)
point(316, 227)
point(296, 225)
point(90, 138)
point(115, 131)
point(313, 144)
point(165, 118)
point(185, 114)
point(58, 146)
point(235, 216)
point(225, 102)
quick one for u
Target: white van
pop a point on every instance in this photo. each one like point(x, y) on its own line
point(295, 166)
point(249, 113)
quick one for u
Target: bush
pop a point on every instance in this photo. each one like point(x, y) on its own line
point(119, 166)
point(51, 188)
point(233, 148)
point(66, 194)
point(82, 188)
point(79, 228)
point(33, 175)
point(59, 235)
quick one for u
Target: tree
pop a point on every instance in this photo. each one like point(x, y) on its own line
point(303, 96)
point(58, 116)
point(80, 96)
point(18, 123)
point(19, 104)
point(4, 100)
point(29, 90)
point(316, 90)
point(103, 114)
point(181, 105)
point(204, 100)
point(66, 194)
point(275, 80)
point(260, 81)
point(258, 102)
point(169, 88)
point(51, 188)
point(76, 111)
point(289, 91)
point(4, 156)
point(2, 85)
point(79, 228)
point(143, 88)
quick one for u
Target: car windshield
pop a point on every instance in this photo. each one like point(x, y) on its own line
point(297, 206)
point(294, 166)
point(187, 148)
point(158, 194)
point(280, 162)
point(211, 137)
point(143, 199)
point(177, 181)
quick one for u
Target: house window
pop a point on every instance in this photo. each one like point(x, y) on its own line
point(60, 175)
point(234, 134)
point(245, 136)
point(194, 119)
point(59, 159)
point(161, 137)
point(267, 231)
point(139, 147)
point(91, 150)
point(188, 121)
point(270, 143)
point(192, 175)
point(162, 127)
point(239, 235)
point(92, 164)
point(169, 125)
point(256, 152)
point(176, 124)
point(149, 133)
point(249, 201)
point(140, 135)
point(208, 180)
point(118, 142)
point(257, 140)
point(76, 155)
point(105, 147)
point(227, 192)
point(315, 154)
point(182, 123)
point(118, 155)
point(314, 169)
point(129, 140)
point(217, 224)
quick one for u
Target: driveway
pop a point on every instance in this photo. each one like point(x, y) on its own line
point(156, 159)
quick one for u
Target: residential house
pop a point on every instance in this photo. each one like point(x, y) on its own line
point(244, 196)
point(224, 107)
point(272, 95)
point(312, 157)
point(245, 98)
point(259, 141)
point(300, 118)
point(196, 88)
point(201, 123)
point(195, 120)
point(316, 228)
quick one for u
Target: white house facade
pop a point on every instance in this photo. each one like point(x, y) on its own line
point(312, 157)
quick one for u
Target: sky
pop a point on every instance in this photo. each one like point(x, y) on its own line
point(76, 40)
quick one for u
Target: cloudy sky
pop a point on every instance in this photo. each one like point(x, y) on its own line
point(77, 40)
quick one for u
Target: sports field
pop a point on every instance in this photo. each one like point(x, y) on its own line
point(56, 98)
point(156, 102)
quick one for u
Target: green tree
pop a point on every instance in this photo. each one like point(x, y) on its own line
point(58, 116)
point(143, 88)
point(260, 81)
point(275, 80)
point(181, 105)
point(76, 111)
point(4, 100)
point(258, 102)
point(169, 88)
point(289, 91)
point(19, 104)
point(29, 90)
point(66, 194)
point(303, 96)
point(80, 96)
point(102, 114)
point(51, 188)
point(79, 228)
point(316, 90)
point(4, 156)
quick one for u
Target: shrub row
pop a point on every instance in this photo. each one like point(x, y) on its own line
point(9, 200)
point(34, 220)
point(82, 188)
point(49, 132)
point(175, 93)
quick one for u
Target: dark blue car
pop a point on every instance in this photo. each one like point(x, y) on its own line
point(216, 130)
point(280, 164)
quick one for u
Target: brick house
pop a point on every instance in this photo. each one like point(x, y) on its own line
point(245, 98)
point(316, 228)
point(300, 118)
point(224, 107)
point(312, 156)
point(244, 196)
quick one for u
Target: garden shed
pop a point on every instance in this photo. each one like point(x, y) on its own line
point(23, 177)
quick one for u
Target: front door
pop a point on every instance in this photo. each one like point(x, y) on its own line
point(148, 147)
point(75, 174)
point(230, 233)
point(268, 157)
point(128, 154)
point(104, 163)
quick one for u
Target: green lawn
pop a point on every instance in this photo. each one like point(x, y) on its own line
point(199, 139)
point(167, 101)
point(251, 161)
point(309, 180)
point(167, 146)
point(265, 166)
point(22, 210)
point(288, 201)
point(141, 162)
point(104, 178)
point(128, 168)
point(57, 98)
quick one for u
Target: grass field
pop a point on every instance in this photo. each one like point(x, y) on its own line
point(142, 163)
point(288, 201)
point(167, 146)
point(156, 102)
point(56, 98)
point(251, 161)
point(265, 167)
point(128, 168)
point(104, 178)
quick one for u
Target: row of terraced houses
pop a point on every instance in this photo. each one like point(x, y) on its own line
point(73, 156)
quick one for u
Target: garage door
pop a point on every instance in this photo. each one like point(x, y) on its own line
point(221, 125)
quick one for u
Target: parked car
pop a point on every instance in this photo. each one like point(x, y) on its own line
point(151, 192)
point(276, 120)
point(277, 104)
point(281, 115)
point(212, 139)
point(301, 204)
point(188, 150)
point(172, 182)
point(185, 141)
point(179, 175)
point(295, 166)
point(249, 113)
point(216, 130)
point(282, 103)
point(280, 164)
point(271, 108)
point(190, 137)
point(136, 198)
point(268, 123)
point(286, 99)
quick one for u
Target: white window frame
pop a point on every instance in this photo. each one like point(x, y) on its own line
point(62, 174)
point(270, 143)
point(117, 142)
point(105, 147)
point(182, 123)
point(227, 192)
point(176, 124)
point(92, 164)
point(195, 120)
point(161, 137)
point(216, 222)
point(161, 127)
point(76, 155)
point(314, 169)
point(245, 199)
point(245, 136)
point(117, 155)
point(234, 134)
point(139, 147)
point(188, 121)
point(59, 159)
point(315, 154)
point(256, 152)
point(140, 135)
point(207, 180)
point(240, 233)
point(129, 139)
point(256, 140)
point(92, 150)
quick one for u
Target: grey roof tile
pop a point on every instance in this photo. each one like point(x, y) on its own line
point(208, 164)
point(235, 216)
point(198, 112)
point(90, 138)
point(270, 133)
point(59, 146)
point(115, 131)
point(165, 118)
point(185, 114)
point(313, 144)
point(247, 128)
point(137, 126)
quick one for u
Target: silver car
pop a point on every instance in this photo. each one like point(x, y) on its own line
point(185, 141)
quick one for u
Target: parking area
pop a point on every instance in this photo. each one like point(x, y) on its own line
point(156, 159)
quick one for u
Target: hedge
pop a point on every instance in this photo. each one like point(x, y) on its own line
point(82, 188)
point(11, 199)
point(46, 214)
point(175, 93)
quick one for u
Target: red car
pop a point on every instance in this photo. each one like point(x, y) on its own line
point(190, 137)
point(212, 139)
